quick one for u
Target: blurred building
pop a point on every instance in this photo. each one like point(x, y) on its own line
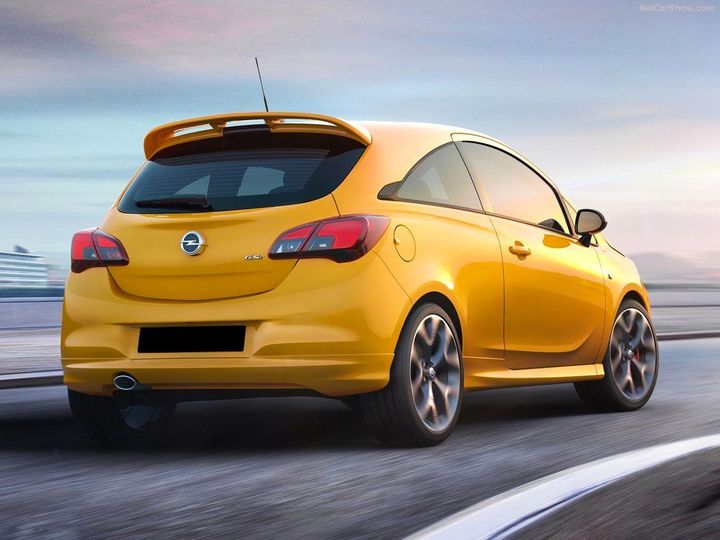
point(20, 269)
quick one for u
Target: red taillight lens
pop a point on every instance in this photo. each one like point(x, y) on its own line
point(93, 247)
point(340, 239)
point(291, 242)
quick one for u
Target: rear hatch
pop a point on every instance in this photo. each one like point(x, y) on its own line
point(235, 194)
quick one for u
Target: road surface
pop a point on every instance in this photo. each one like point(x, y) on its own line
point(307, 467)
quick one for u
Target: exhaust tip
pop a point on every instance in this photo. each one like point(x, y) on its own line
point(125, 382)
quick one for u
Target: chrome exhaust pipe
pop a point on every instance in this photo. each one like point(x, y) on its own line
point(125, 382)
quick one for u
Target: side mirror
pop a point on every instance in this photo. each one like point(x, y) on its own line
point(587, 223)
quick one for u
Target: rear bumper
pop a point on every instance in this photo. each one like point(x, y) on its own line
point(329, 328)
point(332, 376)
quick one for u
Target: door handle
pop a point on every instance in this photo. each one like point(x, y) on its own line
point(519, 249)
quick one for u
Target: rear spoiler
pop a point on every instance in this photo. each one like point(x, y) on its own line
point(212, 126)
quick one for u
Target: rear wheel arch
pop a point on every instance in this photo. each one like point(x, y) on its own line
point(445, 303)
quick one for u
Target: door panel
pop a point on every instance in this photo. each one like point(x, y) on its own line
point(554, 297)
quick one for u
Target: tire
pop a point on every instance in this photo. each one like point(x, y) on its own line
point(631, 364)
point(421, 403)
point(109, 422)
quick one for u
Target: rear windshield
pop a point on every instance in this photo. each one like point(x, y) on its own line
point(242, 170)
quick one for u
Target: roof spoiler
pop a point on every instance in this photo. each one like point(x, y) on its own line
point(172, 134)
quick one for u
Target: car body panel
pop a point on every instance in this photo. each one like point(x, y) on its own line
point(322, 315)
point(160, 270)
point(331, 327)
point(456, 254)
point(554, 298)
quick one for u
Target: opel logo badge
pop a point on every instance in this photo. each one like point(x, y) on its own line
point(192, 243)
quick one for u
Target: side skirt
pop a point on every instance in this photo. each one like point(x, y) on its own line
point(492, 373)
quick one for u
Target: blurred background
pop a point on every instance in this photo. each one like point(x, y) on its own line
point(619, 102)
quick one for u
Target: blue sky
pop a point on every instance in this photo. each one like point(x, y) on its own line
point(620, 106)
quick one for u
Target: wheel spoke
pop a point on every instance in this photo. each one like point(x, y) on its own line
point(424, 406)
point(451, 353)
point(630, 382)
point(416, 358)
point(416, 382)
point(623, 323)
point(641, 371)
point(440, 346)
point(615, 356)
point(621, 376)
point(428, 406)
point(647, 341)
point(446, 392)
point(642, 327)
point(428, 331)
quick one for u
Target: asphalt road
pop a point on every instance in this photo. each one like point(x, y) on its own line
point(306, 467)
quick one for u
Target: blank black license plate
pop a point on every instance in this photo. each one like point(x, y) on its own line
point(174, 339)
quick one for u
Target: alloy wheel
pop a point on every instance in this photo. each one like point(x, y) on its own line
point(633, 354)
point(435, 373)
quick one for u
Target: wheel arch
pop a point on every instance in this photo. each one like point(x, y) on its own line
point(637, 293)
point(445, 303)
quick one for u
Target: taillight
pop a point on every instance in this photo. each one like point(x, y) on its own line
point(93, 247)
point(341, 239)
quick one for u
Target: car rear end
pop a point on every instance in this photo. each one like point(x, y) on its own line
point(225, 265)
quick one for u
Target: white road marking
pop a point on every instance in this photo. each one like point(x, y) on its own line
point(509, 512)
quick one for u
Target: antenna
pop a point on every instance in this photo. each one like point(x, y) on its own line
point(262, 88)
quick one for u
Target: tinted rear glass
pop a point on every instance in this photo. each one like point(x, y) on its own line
point(245, 169)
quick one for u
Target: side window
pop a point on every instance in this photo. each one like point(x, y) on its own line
point(512, 188)
point(441, 178)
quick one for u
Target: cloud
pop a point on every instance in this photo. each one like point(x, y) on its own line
point(613, 103)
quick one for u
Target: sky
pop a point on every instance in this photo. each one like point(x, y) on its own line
point(618, 102)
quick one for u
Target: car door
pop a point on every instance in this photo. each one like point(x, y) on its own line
point(554, 289)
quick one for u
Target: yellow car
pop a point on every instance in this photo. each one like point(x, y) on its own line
point(392, 265)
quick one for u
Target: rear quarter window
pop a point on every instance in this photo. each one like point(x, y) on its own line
point(440, 178)
point(244, 170)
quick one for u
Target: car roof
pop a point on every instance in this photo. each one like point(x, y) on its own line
point(415, 128)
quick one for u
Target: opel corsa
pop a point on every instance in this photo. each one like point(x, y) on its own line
point(391, 265)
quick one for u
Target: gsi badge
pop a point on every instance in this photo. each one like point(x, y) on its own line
point(192, 243)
